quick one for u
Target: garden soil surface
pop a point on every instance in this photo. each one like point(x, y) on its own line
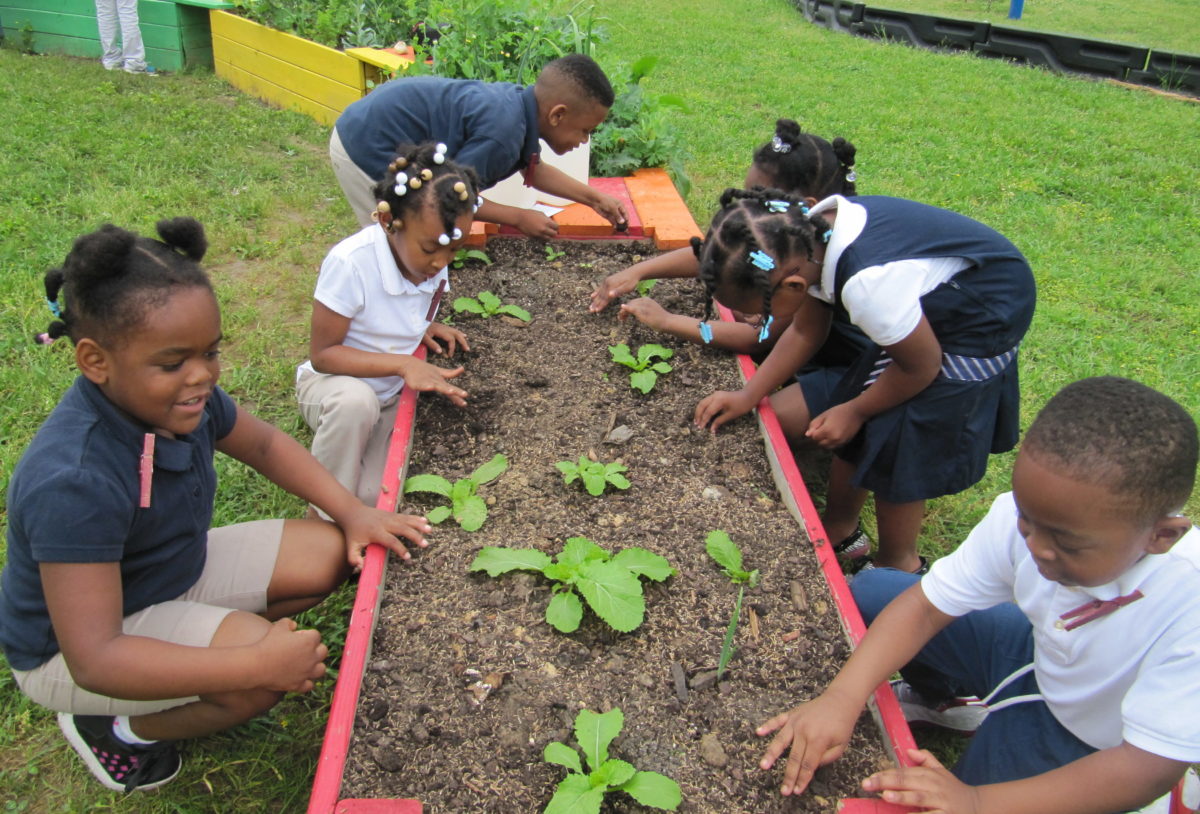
point(428, 728)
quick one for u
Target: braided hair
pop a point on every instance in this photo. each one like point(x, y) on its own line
point(419, 172)
point(805, 164)
point(112, 277)
point(750, 221)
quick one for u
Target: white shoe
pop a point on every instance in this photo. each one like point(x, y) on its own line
point(961, 715)
point(1185, 793)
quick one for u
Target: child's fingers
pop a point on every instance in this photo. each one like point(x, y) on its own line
point(452, 373)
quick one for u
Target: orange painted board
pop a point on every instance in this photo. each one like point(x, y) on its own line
point(664, 214)
point(581, 221)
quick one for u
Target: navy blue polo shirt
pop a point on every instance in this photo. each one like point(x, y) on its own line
point(489, 126)
point(74, 498)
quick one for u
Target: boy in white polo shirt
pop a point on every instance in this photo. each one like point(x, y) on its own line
point(376, 297)
point(1072, 610)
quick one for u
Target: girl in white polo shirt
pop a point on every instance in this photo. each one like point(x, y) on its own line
point(376, 297)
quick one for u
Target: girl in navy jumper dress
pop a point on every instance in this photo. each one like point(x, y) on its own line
point(945, 302)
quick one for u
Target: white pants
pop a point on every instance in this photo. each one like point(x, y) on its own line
point(357, 186)
point(351, 429)
point(130, 54)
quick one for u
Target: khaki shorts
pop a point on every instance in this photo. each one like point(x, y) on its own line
point(241, 559)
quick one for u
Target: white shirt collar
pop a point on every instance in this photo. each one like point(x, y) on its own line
point(851, 220)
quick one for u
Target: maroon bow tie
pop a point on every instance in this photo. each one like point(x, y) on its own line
point(1090, 611)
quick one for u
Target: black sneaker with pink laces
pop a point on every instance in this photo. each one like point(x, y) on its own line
point(118, 765)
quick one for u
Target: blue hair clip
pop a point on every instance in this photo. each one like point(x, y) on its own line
point(803, 209)
point(706, 332)
point(54, 309)
point(765, 330)
point(777, 206)
point(828, 234)
point(761, 259)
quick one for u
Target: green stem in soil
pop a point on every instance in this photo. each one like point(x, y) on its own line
point(727, 645)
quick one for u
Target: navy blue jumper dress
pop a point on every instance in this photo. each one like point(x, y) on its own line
point(937, 443)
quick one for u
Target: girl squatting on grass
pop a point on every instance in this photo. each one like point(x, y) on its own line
point(944, 301)
point(119, 607)
point(801, 164)
point(376, 298)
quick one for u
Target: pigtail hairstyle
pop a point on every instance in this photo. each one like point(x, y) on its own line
point(111, 277)
point(417, 173)
point(807, 165)
point(749, 223)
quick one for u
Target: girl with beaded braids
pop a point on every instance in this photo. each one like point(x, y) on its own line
point(799, 163)
point(119, 606)
point(944, 302)
point(374, 305)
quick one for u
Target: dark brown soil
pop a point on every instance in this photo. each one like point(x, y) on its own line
point(546, 392)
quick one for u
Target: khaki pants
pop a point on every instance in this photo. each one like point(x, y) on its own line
point(357, 186)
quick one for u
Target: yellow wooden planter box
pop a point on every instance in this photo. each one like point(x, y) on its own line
point(285, 70)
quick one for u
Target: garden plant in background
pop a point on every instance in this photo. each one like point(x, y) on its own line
point(582, 792)
point(596, 476)
point(466, 506)
point(610, 583)
point(644, 371)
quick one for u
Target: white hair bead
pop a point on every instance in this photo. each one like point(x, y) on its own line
point(443, 240)
point(457, 233)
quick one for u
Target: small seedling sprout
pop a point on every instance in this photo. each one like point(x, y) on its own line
point(489, 305)
point(465, 506)
point(644, 371)
point(724, 550)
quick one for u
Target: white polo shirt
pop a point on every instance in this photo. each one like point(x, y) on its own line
point(360, 280)
point(1132, 675)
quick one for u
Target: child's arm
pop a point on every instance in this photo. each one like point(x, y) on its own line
point(329, 355)
point(676, 263)
point(530, 222)
point(551, 179)
point(84, 600)
point(817, 732)
point(803, 338)
point(916, 360)
point(1117, 779)
point(282, 460)
point(735, 336)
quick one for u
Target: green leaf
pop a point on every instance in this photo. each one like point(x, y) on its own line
point(471, 513)
point(565, 612)
point(579, 550)
point(614, 593)
point(655, 790)
point(615, 467)
point(497, 561)
point(721, 547)
point(428, 483)
point(476, 254)
point(660, 367)
point(490, 301)
point(594, 482)
point(562, 755)
point(621, 355)
point(727, 644)
point(438, 515)
point(516, 311)
point(641, 68)
point(595, 731)
point(644, 563)
point(565, 572)
point(643, 380)
point(614, 773)
point(491, 470)
point(575, 795)
point(619, 481)
point(467, 304)
point(463, 488)
point(647, 352)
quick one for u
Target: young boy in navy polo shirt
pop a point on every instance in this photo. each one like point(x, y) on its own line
point(492, 127)
point(1072, 610)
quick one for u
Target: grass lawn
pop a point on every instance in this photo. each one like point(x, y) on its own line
point(1095, 183)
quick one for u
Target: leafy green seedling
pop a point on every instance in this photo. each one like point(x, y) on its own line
point(463, 255)
point(644, 370)
point(609, 583)
point(467, 507)
point(489, 305)
point(583, 792)
point(727, 555)
point(644, 288)
point(553, 254)
point(595, 475)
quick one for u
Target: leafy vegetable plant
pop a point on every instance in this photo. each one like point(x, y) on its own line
point(553, 254)
point(724, 550)
point(463, 255)
point(608, 582)
point(489, 305)
point(644, 288)
point(595, 475)
point(466, 506)
point(582, 792)
point(644, 369)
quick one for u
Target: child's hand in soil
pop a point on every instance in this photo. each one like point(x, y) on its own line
point(424, 378)
point(926, 784)
point(816, 732)
point(365, 525)
point(438, 335)
point(721, 407)
point(646, 311)
point(836, 426)
point(614, 285)
point(294, 659)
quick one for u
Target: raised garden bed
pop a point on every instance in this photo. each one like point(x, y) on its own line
point(548, 392)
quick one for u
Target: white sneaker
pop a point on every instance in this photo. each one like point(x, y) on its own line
point(961, 715)
point(1186, 792)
